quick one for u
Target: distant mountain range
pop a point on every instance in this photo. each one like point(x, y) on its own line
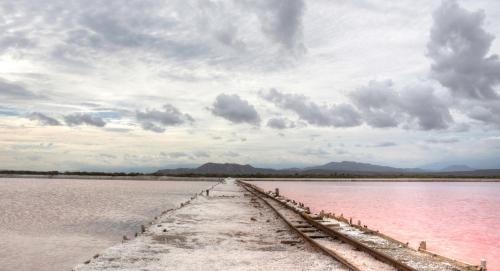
point(457, 168)
point(344, 168)
point(360, 167)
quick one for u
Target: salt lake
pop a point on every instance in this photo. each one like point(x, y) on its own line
point(456, 219)
point(53, 224)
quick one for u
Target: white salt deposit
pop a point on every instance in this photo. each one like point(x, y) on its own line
point(228, 230)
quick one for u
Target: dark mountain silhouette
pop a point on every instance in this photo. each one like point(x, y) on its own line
point(219, 169)
point(327, 169)
point(360, 167)
point(332, 169)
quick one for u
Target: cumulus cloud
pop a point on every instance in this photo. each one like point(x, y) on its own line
point(422, 105)
point(44, 119)
point(280, 123)
point(149, 126)
point(378, 103)
point(156, 120)
point(382, 106)
point(84, 118)
point(235, 109)
point(277, 123)
point(459, 47)
point(341, 115)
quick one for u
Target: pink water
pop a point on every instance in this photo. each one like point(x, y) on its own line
point(458, 220)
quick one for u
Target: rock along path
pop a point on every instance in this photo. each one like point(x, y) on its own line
point(228, 230)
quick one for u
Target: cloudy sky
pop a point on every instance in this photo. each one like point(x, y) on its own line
point(146, 84)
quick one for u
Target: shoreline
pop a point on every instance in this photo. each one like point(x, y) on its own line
point(388, 179)
point(110, 177)
point(277, 179)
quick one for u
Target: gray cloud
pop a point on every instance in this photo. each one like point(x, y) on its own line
point(281, 21)
point(342, 115)
point(13, 90)
point(385, 144)
point(485, 111)
point(149, 126)
point(15, 40)
point(277, 123)
point(118, 130)
point(231, 154)
point(234, 109)
point(201, 154)
point(280, 123)
point(229, 37)
point(379, 103)
point(40, 146)
point(430, 112)
point(382, 106)
point(107, 156)
point(156, 120)
point(313, 152)
point(176, 155)
point(442, 140)
point(44, 119)
point(224, 34)
point(84, 118)
point(459, 46)
point(108, 31)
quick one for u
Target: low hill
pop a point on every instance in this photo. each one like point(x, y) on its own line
point(333, 169)
point(219, 169)
point(455, 168)
point(344, 168)
point(349, 166)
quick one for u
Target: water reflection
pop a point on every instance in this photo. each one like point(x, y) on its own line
point(48, 224)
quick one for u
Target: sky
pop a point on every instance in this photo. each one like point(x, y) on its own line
point(146, 84)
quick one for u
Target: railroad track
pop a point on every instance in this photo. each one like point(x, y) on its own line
point(352, 253)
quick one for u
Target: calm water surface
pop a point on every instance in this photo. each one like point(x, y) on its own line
point(54, 224)
point(460, 220)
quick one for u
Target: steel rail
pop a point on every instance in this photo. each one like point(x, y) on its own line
point(308, 239)
point(336, 234)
